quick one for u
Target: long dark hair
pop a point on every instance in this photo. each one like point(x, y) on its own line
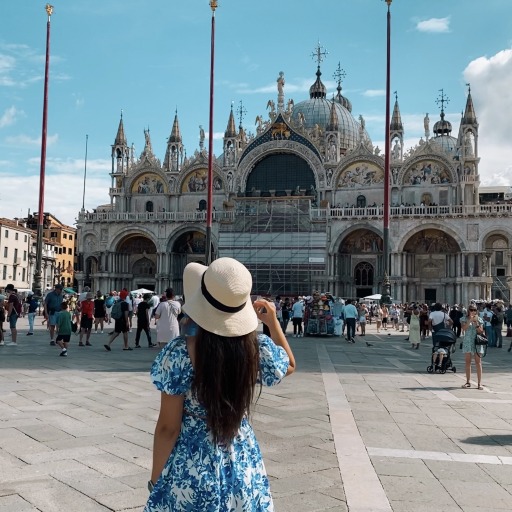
point(226, 371)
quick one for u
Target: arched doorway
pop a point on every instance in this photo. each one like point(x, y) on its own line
point(280, 172)
point(497, 253)
point(430, 262)
point(188, 247)
point(363, 279)
point(361, 201)
point(137, 260)
point(359, 263)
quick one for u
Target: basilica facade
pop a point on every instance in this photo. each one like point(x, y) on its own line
point(299, 202)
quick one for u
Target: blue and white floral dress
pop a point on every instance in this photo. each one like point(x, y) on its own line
point(200, 476)
point(468, 342)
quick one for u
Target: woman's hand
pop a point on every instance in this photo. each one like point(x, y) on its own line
point(265, 311)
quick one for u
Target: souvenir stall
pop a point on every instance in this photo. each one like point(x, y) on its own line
point(318, 318)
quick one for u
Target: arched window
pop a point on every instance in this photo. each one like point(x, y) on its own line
point(202, 205)
point(361, 202)
point(363, 274)
point(149, 206)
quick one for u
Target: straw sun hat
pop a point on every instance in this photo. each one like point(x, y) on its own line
point(218, 297)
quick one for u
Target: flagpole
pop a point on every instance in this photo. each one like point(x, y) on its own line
point(386, 284)
point(85, 171)
point(40, 215)
point(209, 202)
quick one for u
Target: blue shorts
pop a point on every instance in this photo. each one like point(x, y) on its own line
point(13, 318)
point(53, 319)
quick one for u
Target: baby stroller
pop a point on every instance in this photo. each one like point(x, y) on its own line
point(443, 339)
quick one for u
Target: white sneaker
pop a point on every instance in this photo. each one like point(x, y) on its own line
point(101, 332)
point(2, 343)
point(12, 344)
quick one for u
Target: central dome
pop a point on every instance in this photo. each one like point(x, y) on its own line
point(317, 111)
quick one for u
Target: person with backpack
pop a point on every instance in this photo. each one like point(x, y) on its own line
point(143, 321)
point(109, 303)
point(52, 303)
point(121, 325)
point(166, 314)
point(33, 304)
point(13, 312)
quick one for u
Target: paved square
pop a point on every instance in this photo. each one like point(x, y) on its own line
point(358, 428)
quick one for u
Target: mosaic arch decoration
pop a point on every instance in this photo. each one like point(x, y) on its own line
point(197, 181)
point(427, 172)
point(361, 174)
point(361, 241)
point(431, 241)
point(148, 183)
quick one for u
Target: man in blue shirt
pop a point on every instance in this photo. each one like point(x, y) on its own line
point(350, 312)
point(52, 307)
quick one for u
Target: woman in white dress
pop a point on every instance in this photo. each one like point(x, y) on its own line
point(414, 329)
point(166, 314)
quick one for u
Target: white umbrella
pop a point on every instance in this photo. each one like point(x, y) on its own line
point(376, 296)
point(141, 291)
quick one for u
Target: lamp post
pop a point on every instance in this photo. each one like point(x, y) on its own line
point(40, 215)
point(386, 285)
point(209, 201)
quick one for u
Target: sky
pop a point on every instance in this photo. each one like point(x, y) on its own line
point(150, 59)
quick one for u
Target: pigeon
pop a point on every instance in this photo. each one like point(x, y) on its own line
point(369, 344)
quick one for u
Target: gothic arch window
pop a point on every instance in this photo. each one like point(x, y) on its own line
point(361, 201)
point(363, 274)
point(143, 267)
point(149, 206)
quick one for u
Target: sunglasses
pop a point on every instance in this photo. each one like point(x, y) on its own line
point(472, 309)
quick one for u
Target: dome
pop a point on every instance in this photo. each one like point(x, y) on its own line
point(446, 143)
point(317, 111)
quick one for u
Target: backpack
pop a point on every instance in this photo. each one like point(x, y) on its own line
point(117, 311)
point(109, 302)
point(18, 306)
point(494, 320)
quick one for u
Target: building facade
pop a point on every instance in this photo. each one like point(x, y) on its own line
point(18, 254)
point(300, 204)
point(63, 239)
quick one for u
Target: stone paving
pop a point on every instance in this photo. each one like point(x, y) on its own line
point(359, 428)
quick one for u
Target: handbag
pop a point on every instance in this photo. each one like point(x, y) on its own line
point(481, 345)
point(481, 340)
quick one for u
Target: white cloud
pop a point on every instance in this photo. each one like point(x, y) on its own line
point(434, 25)
point(26, 140)
point(10, 116)
point(63, 194)
point(490, 79)
point(373, 93)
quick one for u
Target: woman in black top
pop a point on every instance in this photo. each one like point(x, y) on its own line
point(143, 321)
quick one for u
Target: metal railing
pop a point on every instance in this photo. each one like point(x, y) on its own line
point(317, 214)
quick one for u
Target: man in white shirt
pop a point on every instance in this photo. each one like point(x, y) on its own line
point(486, 316)
point(297, 315)
point(350, 312)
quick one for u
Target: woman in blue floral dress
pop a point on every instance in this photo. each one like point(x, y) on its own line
point(205, 455)
point(472, 324)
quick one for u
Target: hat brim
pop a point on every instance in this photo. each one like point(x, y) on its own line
point(208, 317)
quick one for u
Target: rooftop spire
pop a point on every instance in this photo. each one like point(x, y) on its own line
point(396, 119)
point(339, 75)
point(175, 132)
point(333, 125)
point(120, 137)
point(231, 128)
point(318, 90)
point(469, 116)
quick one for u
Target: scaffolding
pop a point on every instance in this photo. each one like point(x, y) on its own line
point(279, 242)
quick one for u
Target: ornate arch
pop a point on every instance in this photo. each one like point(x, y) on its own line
point(335, 248)
point(359, 172)
point(132, 231)
point(446, 230)
point(446, 171)
point(360, 156)
point(135, 179)
point(281, 146)
point(492, 232)
point(190, 228)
